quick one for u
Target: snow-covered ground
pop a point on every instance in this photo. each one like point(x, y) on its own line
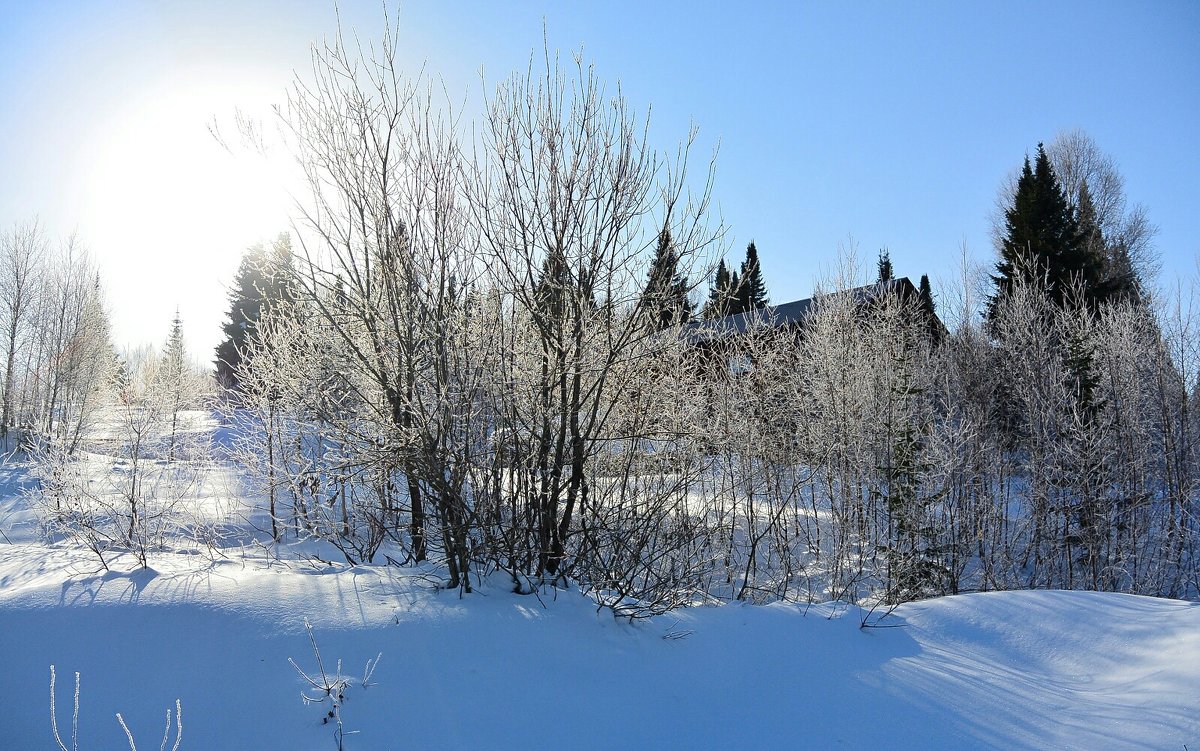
point(1063, 670)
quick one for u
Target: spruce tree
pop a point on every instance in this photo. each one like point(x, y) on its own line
point(1080, 360)
point(1017, 225)
point(1090, 235)
point(264, 277)
point(884, 265)
point(172, 379)
point(1042, 238)
point(719, 296)
point(752, 292)
point(173, 356)
point(665, 299)
point(1121, 281)
point(550, 290)
point(928, 309)
point(1117, 279)
point(1074, 263)
point(925, 293)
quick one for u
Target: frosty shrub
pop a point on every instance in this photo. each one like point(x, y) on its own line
point(329, 690)
point(121, 490)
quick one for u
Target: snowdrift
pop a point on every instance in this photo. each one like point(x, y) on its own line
point(1010, 670)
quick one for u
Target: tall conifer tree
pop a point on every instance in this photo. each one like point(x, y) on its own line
point(1117, 279)
point(1090, 235)
point(928, 309)
point(264, 277)
point(926, 294)
point(719, 296)
point(173, 379)
point(1042, 238)
point(752, 291)
point(665, 299)
point(885, 266)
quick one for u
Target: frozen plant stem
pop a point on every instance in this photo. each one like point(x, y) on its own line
point(120, 720)
point(74, 716)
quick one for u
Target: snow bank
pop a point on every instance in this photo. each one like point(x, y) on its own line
point(498, 670)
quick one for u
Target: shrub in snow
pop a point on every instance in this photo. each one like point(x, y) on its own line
point(326, 690)
point(121, 492)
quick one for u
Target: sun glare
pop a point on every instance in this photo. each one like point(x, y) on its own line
point(167, 201)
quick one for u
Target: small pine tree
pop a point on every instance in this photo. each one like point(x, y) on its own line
point(928, 309)
point(885, 266)
point(173, 379)
point(752, 292)
point(173, 357)
point(550, 290)
point(1081, 365)
point(665, 300)
point(913, 552)
point(719, 296)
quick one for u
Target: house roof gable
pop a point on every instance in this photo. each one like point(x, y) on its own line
point(785, 314)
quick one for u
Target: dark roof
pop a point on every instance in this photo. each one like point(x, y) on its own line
point(784, 314)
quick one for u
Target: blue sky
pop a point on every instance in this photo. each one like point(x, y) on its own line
point(892, 124)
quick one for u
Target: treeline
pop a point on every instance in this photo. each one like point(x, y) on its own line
point(478, 353)
point(58, 354)
point(61, 368)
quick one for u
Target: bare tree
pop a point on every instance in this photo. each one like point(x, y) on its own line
point(569, 198)
point(79, 362)
point(482, 311)
point(1079, 161)
point(21, 253)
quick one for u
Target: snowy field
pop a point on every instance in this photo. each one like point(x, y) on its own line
point(1063, 670)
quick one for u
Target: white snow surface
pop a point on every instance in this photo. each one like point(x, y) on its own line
point(1011, 670)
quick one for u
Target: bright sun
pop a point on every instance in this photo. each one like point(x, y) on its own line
point(169, 209)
